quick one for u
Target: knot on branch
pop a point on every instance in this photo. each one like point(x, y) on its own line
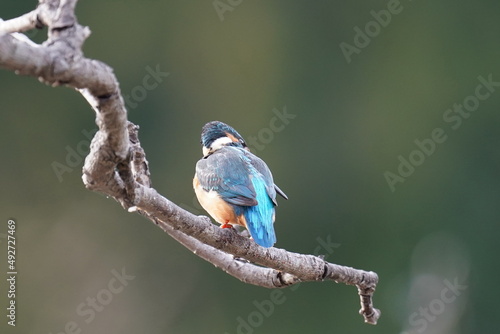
point(57, 14)
point(285, 279)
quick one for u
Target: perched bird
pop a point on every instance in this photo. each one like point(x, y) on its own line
point(233, 185)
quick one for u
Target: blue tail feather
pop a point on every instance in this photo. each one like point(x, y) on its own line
point(260, 217)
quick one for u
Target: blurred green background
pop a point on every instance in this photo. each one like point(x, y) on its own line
point(432, 239)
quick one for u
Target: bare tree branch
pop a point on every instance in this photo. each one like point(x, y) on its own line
point(117, 167)
point(22, 23)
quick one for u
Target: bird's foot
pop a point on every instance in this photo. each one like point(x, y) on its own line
point(226, 225)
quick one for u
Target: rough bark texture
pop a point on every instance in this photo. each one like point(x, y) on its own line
point(117, 166)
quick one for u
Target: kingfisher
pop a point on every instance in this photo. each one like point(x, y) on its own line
point(235, 186)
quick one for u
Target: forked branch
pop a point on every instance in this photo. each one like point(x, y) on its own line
point(117, 165)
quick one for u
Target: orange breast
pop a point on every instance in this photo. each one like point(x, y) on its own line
point(219, 209)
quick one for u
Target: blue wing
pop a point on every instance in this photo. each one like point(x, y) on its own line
point(271, 188)
point(244, 181)
point(226, 172)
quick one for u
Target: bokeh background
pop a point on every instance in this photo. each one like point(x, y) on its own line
point(432, 239)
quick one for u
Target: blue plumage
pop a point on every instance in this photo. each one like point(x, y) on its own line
point(235, 186)
point(260, 218)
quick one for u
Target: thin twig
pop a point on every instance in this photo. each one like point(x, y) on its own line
point(22, 23)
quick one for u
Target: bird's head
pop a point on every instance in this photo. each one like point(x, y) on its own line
point(215, 135)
